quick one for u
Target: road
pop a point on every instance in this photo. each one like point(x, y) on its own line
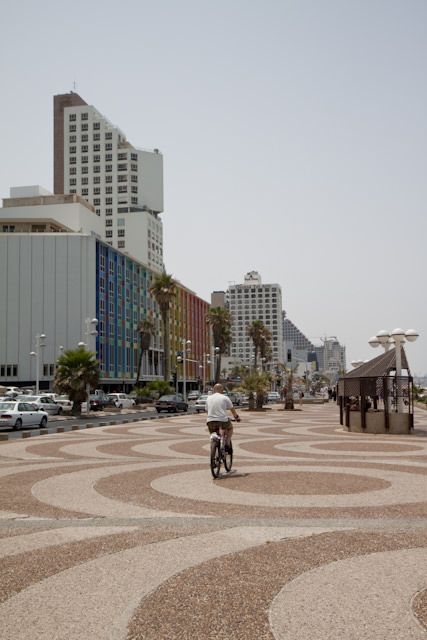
point(94, 418)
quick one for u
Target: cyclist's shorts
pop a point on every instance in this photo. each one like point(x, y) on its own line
point(215, 425)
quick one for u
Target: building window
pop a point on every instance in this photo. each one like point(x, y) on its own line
point(96, 125)
point(109, 146)
point(73, 181)
point(97, 168)
point(122, 178)
point(108, 189)
point(73, 127)
point(108, 200)
point(108, 157)
point(97, 158)
point(120, 222)
point(123, 188)
point(108, 167)
point(84, 116)
point(97, 136)
point(134, 167)
point(109, 233)
point(73, 170)
point(134, 189)
point(97, 201)
point(84, 159)
point(84, 138)
point(73, 149)
point(108, 135)
point(108, 178)
point(121, 233)
point(85, 127)
point(85, 180)
point(108, 223)
point(133, 156)
point(108, 212)
point(73, 138)
point(85, 192)
point(97, 147)
point(73, 160)
point(121, 244)
point(97, 191)
point(134, 178)
point(134, 200)
point(122, 167)
point(122, 156)
point(72, 117)
point(85, 148)
point(96, 179)
point(85, 169)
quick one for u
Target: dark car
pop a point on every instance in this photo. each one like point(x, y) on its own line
point(171, 403)
point(99, 402)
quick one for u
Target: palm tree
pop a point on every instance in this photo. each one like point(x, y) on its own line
point(220, 320)
point(163, 289)
point(255, 384)
point(76, 370)
point(146, 328)
point(260, 336)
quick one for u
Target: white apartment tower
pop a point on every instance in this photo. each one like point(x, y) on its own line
point(93, 159)
point(251, 301)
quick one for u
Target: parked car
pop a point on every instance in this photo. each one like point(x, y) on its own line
point(13, 392)
point(65, 403)
point(43, 402)
point(17, 414)
point(171, 403)
point(235, 398)
point(273, 396)
point(99, 402)
point(193, 395)
point(200, 404)
point(121, 400)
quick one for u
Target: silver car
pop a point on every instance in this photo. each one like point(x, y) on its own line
point(43, 402)
point(17, 414)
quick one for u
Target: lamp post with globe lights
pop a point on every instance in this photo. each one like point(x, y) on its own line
point(397, 336)
point(40, 343)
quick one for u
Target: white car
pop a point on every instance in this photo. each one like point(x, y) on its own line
point(121, 400)
point(43, 402)
point(21, 414)
point(193, 395)
point(200, 404)
point(273, 396)
point(65, 403)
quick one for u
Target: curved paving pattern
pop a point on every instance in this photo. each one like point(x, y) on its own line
point(120, 531)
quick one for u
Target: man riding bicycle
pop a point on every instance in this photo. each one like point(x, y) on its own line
point(217, 406)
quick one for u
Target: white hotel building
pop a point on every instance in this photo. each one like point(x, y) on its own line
point(93, 159)
point(251, 301)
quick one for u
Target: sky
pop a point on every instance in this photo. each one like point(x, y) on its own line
point(294, 135)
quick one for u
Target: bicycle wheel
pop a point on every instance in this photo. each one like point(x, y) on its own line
point(228, 459)
point(215, 459)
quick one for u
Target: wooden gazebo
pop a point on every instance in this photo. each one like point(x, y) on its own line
point(372, 399)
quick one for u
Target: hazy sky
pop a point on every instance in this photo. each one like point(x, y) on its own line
point(294, 135)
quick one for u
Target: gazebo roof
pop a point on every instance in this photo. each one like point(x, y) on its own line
point(379, 366)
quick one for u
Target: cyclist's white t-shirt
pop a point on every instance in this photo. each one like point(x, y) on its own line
point(217, 406)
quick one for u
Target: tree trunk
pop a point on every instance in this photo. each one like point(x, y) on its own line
point(166, 374)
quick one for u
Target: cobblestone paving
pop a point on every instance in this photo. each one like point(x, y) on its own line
point(120, 532)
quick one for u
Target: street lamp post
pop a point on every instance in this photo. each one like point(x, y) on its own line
point(39, 345)
point(90, 331)
point(185, 346)
point(385, 339)
point(206, 361)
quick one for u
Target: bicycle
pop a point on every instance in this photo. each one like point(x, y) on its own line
point(219, 454)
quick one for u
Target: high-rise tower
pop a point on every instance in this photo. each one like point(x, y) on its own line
point(124, 183)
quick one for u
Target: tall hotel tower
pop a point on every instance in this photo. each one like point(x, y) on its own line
point(93, 159)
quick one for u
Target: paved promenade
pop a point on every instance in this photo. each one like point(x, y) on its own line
point(120, 532)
